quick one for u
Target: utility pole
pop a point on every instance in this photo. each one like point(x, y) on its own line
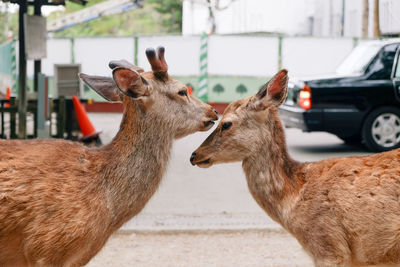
point(22, 102)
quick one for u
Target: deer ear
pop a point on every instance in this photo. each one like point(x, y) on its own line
point(131, 83)
point(123, 64)
point(273, 92)
point(104, 86)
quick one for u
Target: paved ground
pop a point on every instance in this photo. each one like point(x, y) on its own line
point(193, 199)
point(202, 250)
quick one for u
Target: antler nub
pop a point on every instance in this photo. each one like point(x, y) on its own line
point(157, 61)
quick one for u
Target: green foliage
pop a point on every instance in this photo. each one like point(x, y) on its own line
point(8, 22)
point(146, 20)
point(3, 21)
point(173, 8)
point(138, 21)
point(156, 16)
point(241, 89)
point(218, 88)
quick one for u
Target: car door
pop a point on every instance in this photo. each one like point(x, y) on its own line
point(396, 75)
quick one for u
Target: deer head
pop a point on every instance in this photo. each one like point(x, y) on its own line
point(155, 94)
point(246, 125)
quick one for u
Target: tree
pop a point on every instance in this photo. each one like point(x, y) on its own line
point(241, 89)
point(218, 89)
point(174, 9)
point(143, 20)
point(5, 27)
point(377, 31)
point(365, 15)
point(211, 12)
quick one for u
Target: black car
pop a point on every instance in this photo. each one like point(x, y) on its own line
point(360, 103)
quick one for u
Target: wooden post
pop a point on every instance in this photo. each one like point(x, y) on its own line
point(365, 14)
point(136, 48)
point(61, 117)
point(342, 19)
point(51, 108)
point(37, 68)
point(35, 117)
point(377, 31)
point(22, 103)
point(13, 116)
point(2, 120)
point(280, 41)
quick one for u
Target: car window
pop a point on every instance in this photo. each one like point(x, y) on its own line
point(357, 61)
point(397, 71)
point(381, 66)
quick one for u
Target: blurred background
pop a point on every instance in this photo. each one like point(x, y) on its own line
point(248, 41)
point(224, 50)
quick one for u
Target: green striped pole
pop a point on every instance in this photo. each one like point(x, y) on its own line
point(202, 93)
point(14, 87)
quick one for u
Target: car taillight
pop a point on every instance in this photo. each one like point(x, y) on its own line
point(305, 97)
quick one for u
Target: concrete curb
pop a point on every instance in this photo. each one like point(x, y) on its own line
point(170, 224)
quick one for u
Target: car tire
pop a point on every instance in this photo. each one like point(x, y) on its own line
point(381, 129)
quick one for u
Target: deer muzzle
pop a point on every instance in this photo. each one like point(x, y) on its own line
point(202, 163)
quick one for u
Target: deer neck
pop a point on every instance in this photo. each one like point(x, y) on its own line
point(135, 161)
point(272, 174)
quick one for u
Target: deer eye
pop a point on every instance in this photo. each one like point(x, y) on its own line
point(182, 93)
point(226, 125)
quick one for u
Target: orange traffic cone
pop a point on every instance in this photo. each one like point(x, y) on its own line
point(8, 96)
point(87, 128)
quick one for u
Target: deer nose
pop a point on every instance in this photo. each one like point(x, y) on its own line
point(192, 157)
point(113, 64)
point(212, 113)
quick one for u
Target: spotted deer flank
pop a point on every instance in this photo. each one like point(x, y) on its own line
point(60, 201)
point(343, 211)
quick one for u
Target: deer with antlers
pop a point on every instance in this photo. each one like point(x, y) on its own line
point(60, 201)
point(343, 211)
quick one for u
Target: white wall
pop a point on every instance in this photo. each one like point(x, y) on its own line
point(354, 11)
point(291, 17)
point(238, 55)
point(95, 53)
point(182, 53)
point(58, 52)
point(227, 55)
point(310, 56)
point(352, 18)
point(327, 18)
point(244, 16)
point(194, 18)
point(389, 13)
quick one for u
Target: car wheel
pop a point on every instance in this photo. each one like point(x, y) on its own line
point(381, 129)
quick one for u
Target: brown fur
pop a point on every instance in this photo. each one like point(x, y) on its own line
point(60, 201)
point(343, 211)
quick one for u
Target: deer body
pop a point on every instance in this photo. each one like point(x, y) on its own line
point(60, 201)
point(343, 211)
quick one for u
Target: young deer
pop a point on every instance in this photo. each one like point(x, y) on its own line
point(343, 211)
point(60, 201)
